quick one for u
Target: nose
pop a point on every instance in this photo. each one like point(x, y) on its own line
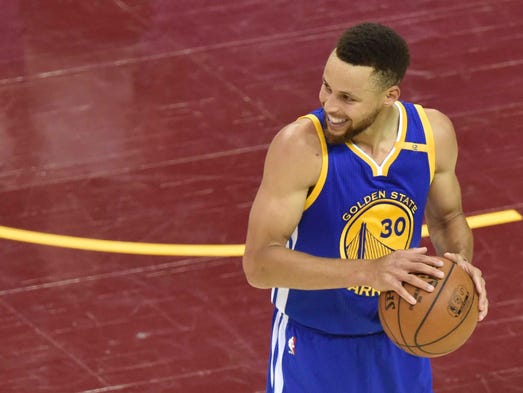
point(330, 103)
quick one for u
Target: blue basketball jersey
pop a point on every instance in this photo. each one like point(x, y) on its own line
point(360, 210)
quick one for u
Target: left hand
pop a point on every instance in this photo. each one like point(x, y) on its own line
point(477, 278)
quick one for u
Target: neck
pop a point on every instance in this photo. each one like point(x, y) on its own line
point(380, 136)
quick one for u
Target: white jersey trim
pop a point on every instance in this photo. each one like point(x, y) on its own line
point(279, 340)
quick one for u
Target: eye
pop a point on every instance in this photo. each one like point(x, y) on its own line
point(326, 86)
point(347, 98)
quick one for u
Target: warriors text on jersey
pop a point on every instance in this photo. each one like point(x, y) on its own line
point(360, 210)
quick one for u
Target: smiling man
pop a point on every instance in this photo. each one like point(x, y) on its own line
point(338, 218)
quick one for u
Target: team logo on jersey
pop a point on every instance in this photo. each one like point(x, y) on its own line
point(377, 225)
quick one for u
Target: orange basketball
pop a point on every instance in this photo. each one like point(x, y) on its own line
point(440, 322)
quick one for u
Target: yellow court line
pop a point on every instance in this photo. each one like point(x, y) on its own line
point(487, 220)
point(205, 250)
point(80, 243)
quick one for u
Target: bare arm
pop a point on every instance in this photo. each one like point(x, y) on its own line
point(448, 228)
point(292, 166)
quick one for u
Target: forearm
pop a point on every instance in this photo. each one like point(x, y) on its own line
point(277, 266)
point(453, 235)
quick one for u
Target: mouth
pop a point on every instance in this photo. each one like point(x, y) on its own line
point(338, 128)
point(336, 123)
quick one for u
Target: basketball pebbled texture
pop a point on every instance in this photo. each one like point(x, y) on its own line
point(440, 322)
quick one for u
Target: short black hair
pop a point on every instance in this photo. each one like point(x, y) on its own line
point(377, 46)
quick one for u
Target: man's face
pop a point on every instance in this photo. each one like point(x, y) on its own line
point(351, 99)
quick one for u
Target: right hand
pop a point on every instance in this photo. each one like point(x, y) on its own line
point(391, 271)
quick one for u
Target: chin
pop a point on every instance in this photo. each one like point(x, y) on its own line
point(336, 139)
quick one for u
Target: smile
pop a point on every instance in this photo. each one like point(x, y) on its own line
point(335, 121)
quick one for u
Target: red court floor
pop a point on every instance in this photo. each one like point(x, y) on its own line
point(148, 121)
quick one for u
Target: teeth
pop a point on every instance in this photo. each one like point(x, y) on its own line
point(335, 120)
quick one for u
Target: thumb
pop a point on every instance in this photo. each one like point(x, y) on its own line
point(418, 250)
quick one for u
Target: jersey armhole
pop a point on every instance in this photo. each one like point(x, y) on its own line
point(315, 192)
point(429, 140)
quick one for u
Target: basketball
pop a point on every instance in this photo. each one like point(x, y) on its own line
point(440, 322)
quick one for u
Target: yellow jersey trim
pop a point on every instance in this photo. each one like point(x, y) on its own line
point(361, 154)
point(324, 162)
point(429, 139)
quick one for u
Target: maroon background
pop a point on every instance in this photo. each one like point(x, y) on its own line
point(148, 121)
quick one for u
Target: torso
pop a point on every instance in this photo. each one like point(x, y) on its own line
point(359, 208)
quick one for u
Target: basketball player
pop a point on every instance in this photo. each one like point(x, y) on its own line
point(338, 217)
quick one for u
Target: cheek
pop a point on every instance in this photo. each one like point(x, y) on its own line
point(322, 96)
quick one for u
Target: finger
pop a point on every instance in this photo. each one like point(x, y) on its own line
point(484, 311)
point(427, 260)
point(453, 257)
point(482, 307)
point(420, 283)
point(436, 262)
point(406, 295)
point(483, 301)
point(457, 258)
point(479, 283)
point(423, 268)
point(418, 250)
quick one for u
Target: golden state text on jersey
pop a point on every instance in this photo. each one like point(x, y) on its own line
point(360, 210)
point(380, 223)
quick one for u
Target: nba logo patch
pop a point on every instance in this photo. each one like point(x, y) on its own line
point(292, 345)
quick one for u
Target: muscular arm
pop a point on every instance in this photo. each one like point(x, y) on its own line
point(448, 228)
point(292, 166)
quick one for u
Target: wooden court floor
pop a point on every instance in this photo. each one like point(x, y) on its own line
point(147, 121)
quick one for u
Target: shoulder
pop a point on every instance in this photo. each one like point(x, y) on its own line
point(298, 137)
point(296, 150)
point(439, 121)
point(445, 142)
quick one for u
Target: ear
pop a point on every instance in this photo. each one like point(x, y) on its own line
point(392, 94)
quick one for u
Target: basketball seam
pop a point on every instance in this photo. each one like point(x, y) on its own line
point(422, 322)
point(398, 336)
point(451, 331)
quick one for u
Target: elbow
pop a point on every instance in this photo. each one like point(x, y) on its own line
point(254, 272)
